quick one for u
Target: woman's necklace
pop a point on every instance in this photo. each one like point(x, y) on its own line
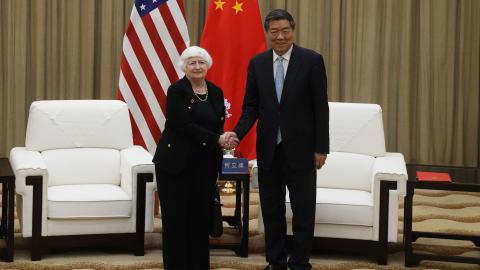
point(199, 98)
point(206, 93)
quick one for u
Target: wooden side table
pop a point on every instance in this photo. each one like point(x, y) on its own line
point(412, 258)
point(238, 220)
point(7, 179)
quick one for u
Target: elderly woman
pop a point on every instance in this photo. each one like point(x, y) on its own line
point(187, 162)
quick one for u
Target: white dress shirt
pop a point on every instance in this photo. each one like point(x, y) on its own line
point(286, 60)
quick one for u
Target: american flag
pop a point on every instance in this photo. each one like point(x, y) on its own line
point(155, 37)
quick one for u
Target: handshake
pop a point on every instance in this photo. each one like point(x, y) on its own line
point(228, 140)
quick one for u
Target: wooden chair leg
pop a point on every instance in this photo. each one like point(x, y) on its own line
point(382, 247)
point(37, 183)
point(382, 255)
point(142, 179)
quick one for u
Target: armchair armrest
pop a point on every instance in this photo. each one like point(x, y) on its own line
point(30, 164)
point(391, 167)
point(134, 160)
point(26, 163)
point(136, 168)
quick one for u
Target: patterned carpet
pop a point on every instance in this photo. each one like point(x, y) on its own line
point(446, 212)
point(437, 211)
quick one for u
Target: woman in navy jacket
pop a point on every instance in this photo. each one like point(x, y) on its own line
point(187, 162)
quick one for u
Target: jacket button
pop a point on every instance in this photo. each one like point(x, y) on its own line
point(169, 145)
point(204, 144)
point(221, 118)
point(189, 108)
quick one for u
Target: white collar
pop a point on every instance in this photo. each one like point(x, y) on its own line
point(285, 56)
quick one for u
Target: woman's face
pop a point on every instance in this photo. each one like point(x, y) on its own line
point(196, 68)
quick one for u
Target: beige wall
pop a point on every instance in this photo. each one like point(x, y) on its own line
point(418, 59)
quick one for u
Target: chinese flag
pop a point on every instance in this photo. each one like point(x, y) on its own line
point(232, 34)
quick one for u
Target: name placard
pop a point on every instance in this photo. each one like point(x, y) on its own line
point(235, 166)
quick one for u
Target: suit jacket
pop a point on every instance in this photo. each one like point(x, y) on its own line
point(181, 132)
point(302, 114)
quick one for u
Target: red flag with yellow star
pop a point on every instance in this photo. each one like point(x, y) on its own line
point(232, 34)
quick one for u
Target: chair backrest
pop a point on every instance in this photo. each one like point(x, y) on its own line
point(356, 128)
point(356, 138)
point(57, 124)
point(80, 140)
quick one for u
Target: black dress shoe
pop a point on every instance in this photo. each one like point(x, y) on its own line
point(291, 267)
point(275, 267)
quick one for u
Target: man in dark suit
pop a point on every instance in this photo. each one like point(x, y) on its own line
point(287, 92)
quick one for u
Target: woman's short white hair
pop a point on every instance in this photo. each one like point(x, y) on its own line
point(194, 51)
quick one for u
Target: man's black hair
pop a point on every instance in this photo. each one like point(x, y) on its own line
point(278, 14)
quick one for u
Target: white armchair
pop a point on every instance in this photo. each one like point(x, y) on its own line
point(359, 187)
point(80, 179)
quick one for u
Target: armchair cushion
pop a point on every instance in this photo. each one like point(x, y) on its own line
point(88, 201)
point(82, 166)
point(358, 176)
point(341, 206)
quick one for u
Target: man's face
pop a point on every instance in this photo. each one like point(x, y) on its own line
point(280, 35)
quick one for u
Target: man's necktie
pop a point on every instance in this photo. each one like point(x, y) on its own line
point(279, 73)
point(279, 77)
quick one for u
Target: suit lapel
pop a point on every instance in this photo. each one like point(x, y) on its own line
point(187, 88)
point(267, 65)
point(293, 66)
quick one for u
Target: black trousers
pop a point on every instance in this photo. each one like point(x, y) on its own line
point(185, 207)
point(302, 191)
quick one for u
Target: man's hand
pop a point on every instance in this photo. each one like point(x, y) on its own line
point(228, 140)
point(319, 160)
